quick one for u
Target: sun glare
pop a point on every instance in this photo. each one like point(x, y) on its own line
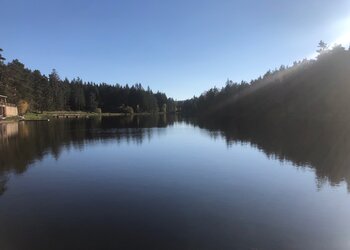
point(344, 37)
point(342, 27)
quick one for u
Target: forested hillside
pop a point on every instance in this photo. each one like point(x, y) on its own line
point(52, 93)
point(310, 89)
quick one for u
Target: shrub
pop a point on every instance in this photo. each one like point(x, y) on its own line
point(126, 109)
point(98, 110)
point(23, 107)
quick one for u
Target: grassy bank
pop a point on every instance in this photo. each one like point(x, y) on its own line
point(46, 115)
point(10, 120)
point(62, 114)
point(83, 113)
point(72, 114)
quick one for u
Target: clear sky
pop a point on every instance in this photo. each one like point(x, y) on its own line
point(180, 47)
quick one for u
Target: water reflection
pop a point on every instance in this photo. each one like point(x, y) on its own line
point(180, 189)
point(26, 142)
point(324, 147)
point(8, 130)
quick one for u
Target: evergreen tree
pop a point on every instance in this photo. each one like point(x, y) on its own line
point(51, 93)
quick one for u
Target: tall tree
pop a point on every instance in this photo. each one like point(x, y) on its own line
point(1, 57)
point(322, 46)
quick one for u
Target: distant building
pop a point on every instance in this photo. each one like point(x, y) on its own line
point(7, 109)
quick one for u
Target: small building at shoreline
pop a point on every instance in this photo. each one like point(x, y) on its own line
point(7, 109)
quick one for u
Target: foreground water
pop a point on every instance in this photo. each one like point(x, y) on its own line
point(161, 183)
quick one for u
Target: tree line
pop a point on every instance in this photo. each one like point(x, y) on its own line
point(309, 89)
point(51, 93)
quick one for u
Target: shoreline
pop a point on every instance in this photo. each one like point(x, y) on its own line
point(47, 115)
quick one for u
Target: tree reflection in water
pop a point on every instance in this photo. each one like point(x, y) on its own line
point(321, 146)
point(21, 144)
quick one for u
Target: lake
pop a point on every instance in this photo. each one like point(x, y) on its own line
point(165, 182)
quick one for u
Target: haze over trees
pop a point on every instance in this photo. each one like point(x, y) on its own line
point(309, 89)
point(51, 93)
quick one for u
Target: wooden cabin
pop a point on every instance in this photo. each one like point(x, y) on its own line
point(7, 109)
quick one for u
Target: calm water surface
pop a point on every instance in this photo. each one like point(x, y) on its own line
point(165, 183)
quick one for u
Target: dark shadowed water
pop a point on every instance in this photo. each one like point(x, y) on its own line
point(164, 183)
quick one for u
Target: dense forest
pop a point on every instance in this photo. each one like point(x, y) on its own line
point(45, 93)
point(318, 88)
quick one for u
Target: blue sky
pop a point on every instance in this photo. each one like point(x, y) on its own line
point(179, 47)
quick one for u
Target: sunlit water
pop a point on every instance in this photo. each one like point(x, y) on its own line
point(160, 183)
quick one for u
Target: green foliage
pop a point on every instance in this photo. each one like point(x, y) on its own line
point(1, 57)
point(310, 89)
point(129, 110)
point(23, 107)
point(322, 46)
point(54, 94)
point(163, 108)
point(98, 110)
point(126, 109)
